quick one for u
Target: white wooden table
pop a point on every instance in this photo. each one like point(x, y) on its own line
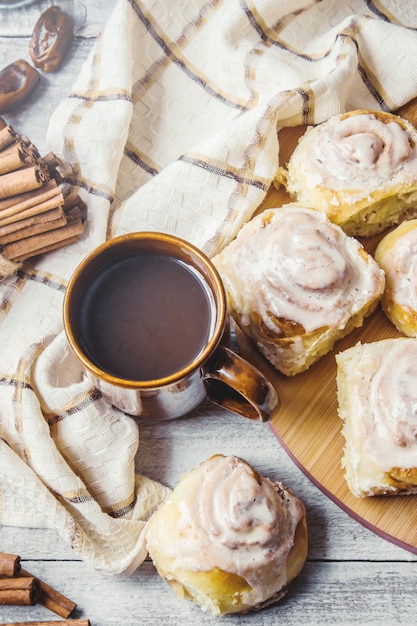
point(352, 576)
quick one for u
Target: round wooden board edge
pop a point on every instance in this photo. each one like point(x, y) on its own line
point(375, 512)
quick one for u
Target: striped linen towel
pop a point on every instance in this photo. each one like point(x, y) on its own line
point(172, 125)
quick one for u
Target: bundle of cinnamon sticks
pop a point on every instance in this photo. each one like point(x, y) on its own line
point(19, 587)
point(38, 211)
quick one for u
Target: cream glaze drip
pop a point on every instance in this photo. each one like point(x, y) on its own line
point(400, 266)
point(359, 151)
point(384, 393)
point(295, 264)
point(234, 519)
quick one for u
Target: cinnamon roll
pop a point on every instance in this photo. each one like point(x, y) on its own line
point(296, 283)
point(228, 538)
point(397, 255)
point(377, 400)
point(360, 168)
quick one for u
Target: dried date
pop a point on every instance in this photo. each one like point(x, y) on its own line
point(51, 39)
point(17, 81)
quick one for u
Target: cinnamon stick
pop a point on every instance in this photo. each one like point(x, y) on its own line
point(49, 248)
point(31, 246)
point(20, 591)
point(73, 622)
point(38, 212)
point(53, 600)
point(9, 565)
point(72, 201)
point(31, 147)
point(13, 214)
point(75, 214)
point(30, 198)
point(71, 197)
point(40, 224)
point(48, 216)
point(51, 161)
point(21, 181)
point(13, 158)
point(7, 136)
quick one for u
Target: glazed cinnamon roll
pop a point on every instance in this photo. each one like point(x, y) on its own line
point(228, 538)
point(397, 255)
point(377, 399)
point(296, 283)
point(360, 168)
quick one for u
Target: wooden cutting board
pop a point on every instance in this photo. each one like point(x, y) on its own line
point(307, 423)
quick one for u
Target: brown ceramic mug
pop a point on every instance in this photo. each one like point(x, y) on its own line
point(146, 315)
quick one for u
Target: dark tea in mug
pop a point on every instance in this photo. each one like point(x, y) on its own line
point(146, 317)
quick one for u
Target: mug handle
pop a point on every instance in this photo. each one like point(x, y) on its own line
point(237, 385)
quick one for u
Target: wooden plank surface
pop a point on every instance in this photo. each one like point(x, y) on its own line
point(313, 594)
point(348, 577)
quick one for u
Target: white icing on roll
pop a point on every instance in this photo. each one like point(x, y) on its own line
point(400, 265)
point(234, 519)
point(384, 393)
point(357, 152)
point(293, 264)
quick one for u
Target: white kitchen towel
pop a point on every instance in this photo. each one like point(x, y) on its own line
point(172, 125)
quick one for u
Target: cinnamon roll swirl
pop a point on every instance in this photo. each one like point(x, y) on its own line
point(377, 400)
point(296, 283)
point(360, 168)
point(397, 255)
point(228, 538)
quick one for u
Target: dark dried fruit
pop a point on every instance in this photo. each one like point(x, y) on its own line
point(17, 81)
point(51, 39)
